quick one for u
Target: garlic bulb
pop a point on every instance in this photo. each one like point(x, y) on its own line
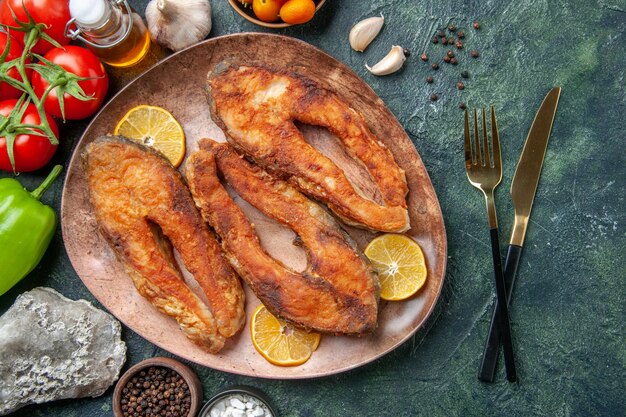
point(391, 63)
point(177, 24)
point(364, 32)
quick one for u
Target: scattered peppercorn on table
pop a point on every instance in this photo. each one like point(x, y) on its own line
point(567, 308)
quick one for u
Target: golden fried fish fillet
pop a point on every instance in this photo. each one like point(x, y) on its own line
point(337, 293)
point(137, 197)
point(256, 109)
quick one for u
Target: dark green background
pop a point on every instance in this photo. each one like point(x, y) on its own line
point(568, 307)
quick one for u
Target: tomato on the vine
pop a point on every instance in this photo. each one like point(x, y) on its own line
point(53, 13)
point(15, 51)
point(83, 63)
point(30, 152)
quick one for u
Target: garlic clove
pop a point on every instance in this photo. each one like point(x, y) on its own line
point(364, 32)
point(177, 24)
point(391, 63)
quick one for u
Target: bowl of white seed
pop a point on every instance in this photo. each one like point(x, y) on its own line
point(238, 402)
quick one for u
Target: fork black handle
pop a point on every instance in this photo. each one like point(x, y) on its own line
point(492, 346)
point(504, 325)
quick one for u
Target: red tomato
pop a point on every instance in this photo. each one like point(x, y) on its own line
point(30, 152)
point(84, 63)
point(15, 51)
point(53, 13)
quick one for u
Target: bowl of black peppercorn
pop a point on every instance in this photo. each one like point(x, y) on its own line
point(158, 387)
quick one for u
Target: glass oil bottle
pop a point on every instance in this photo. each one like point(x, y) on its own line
point(111, 29)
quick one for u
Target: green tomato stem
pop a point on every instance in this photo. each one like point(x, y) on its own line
point(31, 39)
point(4, 124)
point(48, 90)
point(28, 126)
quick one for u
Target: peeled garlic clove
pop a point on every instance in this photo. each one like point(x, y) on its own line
point(391, 63)
point(364, 32)
point(177, 24)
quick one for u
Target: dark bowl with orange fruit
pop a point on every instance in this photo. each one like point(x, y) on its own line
point(268, 11)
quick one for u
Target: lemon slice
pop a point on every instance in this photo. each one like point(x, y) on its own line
point(400, 264)
point(279, 342)
point(155, 127)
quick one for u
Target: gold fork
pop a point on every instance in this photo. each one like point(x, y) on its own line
point(486, 175)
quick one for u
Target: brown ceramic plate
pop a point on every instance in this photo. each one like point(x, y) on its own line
point(177, 85)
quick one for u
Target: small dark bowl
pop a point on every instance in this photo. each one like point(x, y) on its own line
point(195, 387)
point(237, 390)
point(248, 14)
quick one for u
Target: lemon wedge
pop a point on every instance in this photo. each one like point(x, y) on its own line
point(154, 127)
point(400, 263)
point(279, 342)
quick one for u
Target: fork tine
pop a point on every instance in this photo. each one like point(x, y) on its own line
point(479, 159)
point(467, 142)
point(486, 140)
point(497, 158)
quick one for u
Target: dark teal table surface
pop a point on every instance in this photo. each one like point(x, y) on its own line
point(568, 310)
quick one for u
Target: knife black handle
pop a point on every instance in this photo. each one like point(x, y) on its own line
point(492, 346)
point(504, 325)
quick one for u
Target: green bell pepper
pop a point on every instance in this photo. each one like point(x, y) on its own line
point(26, 228)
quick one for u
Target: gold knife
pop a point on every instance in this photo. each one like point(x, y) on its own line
point(523, 190)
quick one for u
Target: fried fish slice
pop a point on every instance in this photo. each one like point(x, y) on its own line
point(256, 108)
point(337, 293)
point(137, 197)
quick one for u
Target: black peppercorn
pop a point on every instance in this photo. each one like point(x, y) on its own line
point(451, 27)
point(434, 66)
point(462, 106)
point(424, 57)
point(441, 34)
point(476, 25)
point(460, 34)
point(434, 97)
point(465, 74)
point(460, 85)
point(430, 79)
point(156, 390)
point(474, 53)
point(435, 39)
point(406, 52)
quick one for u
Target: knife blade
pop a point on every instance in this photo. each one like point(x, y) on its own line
point(523, 189)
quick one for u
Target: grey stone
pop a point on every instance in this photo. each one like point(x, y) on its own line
point(52, 348)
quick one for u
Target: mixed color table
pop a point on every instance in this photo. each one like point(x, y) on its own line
point(568, 309)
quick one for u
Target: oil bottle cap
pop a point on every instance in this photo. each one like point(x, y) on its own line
point(90, 14)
